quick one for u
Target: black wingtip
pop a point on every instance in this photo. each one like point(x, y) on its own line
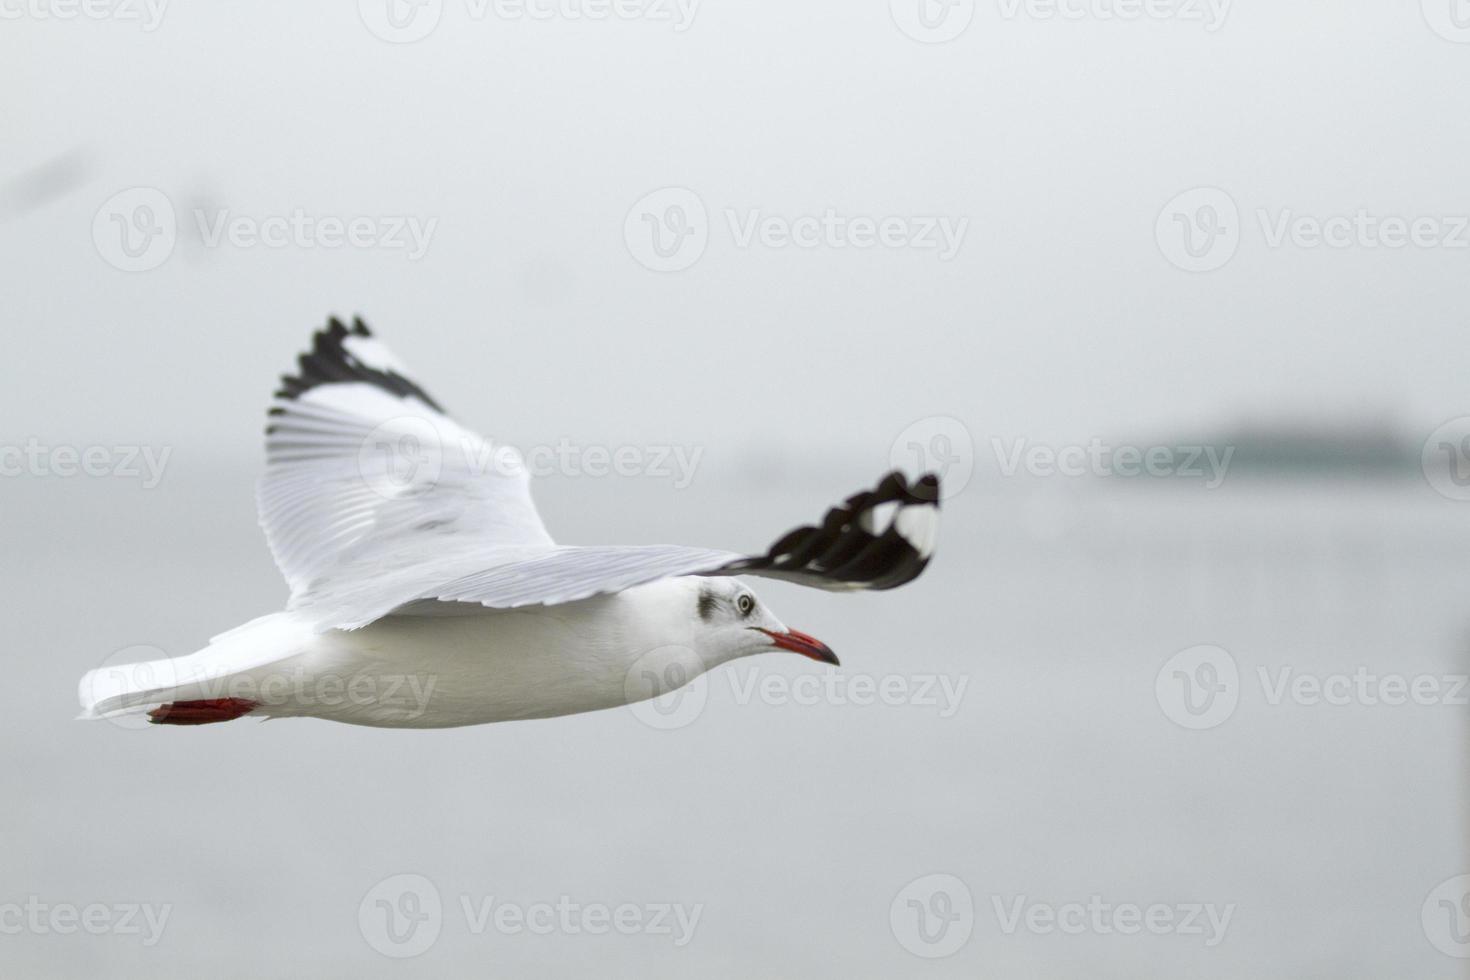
point(330, 362)
point(926, 488)
point(850, 550)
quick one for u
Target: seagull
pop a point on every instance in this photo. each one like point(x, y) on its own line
point(427, 593)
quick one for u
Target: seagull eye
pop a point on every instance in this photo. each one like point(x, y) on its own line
point(745, 604)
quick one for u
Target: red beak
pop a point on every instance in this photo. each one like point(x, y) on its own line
point(804, 644)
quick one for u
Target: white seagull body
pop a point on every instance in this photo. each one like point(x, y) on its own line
point(426, 593)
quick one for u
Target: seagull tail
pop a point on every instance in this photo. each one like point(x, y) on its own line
point(197, 689)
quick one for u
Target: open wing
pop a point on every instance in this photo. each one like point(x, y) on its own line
point(877, 539)
point(367, 476)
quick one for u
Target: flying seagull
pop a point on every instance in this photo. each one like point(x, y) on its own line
point(426, 592)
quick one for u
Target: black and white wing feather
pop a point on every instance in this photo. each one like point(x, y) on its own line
point(366, 474)
point(879, 539)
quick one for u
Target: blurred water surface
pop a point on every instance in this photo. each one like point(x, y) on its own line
point(794, 826)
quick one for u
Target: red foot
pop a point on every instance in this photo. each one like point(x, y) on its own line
point(201, 712)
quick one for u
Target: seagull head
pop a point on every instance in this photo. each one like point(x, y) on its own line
point(733, 622)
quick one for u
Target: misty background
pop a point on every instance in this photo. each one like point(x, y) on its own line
point(1333, 541)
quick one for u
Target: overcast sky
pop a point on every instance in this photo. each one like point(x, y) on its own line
point(1056, 142)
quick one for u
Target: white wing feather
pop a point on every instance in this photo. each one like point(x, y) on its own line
point(365, 474)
